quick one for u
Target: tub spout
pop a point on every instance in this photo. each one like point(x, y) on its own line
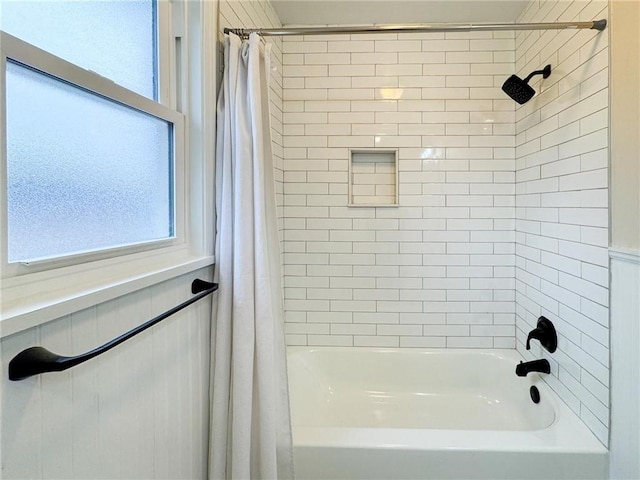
point(542, 366)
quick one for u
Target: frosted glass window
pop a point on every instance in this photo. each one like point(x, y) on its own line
point(83, 172)
point(114, 38)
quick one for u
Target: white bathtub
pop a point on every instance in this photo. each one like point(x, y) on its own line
point(366, 413)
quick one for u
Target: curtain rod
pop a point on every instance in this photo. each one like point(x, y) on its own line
point(418, 27)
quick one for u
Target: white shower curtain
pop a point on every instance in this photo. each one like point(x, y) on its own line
point(250, 425)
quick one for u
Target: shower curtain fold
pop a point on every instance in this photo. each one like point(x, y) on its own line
point(250, 435)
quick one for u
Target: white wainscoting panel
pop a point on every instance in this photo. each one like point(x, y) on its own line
point(139, 411)
point(625, 365)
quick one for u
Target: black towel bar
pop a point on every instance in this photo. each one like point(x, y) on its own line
point(36, 360)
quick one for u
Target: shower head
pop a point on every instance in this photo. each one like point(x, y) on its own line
point(519, 89)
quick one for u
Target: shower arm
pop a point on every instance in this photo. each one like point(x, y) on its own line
point(537, 72)
point(532, 74)
point(418, 27)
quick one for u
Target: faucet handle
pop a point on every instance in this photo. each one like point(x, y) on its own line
point(545, 333)
point(535, 333)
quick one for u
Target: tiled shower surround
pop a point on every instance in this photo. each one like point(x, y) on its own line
point(502, 212)
point(437, 271)
point(562, 220)
point(503, 208)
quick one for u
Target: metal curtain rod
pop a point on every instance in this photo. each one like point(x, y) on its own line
point(37, 360)
point(417, 27)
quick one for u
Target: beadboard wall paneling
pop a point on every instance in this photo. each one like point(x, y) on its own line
point(625, 358)
point(138, 411)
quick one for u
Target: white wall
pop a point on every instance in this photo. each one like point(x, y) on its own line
point(562, 204)
point(625, 124)
point(437, 270)
point(137, 411)
point(625, 233)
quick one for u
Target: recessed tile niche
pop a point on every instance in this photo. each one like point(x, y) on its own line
point(373, 178)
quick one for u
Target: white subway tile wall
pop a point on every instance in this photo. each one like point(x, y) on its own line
point(562, 204)
point(437, 271)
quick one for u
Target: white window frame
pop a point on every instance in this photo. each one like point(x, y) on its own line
point(31, 294)
point(25, 54)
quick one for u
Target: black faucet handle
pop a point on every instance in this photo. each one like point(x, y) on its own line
point(545, 333)
point(536, 333)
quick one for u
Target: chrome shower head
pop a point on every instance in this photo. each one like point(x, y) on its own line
point(519, 89)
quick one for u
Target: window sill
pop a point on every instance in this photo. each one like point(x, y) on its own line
point(31, 300)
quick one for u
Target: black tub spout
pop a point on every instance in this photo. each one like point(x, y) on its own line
point(524, 368)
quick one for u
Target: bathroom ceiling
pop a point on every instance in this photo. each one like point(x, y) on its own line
point(353, 12)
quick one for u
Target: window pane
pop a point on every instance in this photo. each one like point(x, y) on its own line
point(83, 172)
point(115, 38)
